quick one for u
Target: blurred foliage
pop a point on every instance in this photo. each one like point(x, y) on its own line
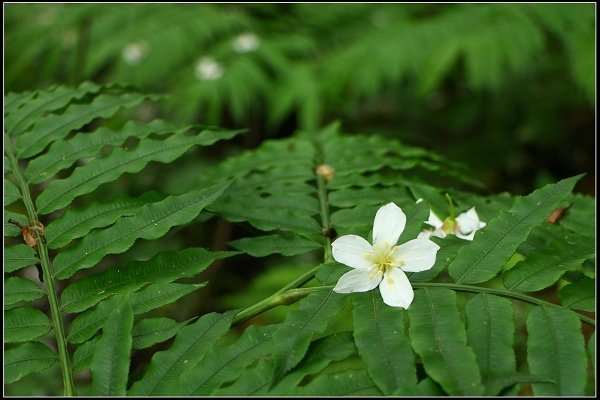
point(507, 88)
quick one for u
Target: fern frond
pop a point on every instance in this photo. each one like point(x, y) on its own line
point(23, 324)
point(28, 358)
point(17, 289)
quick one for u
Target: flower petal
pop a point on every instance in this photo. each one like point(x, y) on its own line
point(357, 280)
point(389, 224)
point(352, 250)
point(468, 221)
point(396, 289)
point(417, 254)
point(470, 236)
point(434, 220)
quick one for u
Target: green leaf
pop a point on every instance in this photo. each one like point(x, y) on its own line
point(162, 268)
point(555, 350)
point(150, 331)
point(65, 153)
point(577, 217)
point(158, 295)
point(544, 266)
point(110, 362)
point(29, 358)
point(11, 229)
point(151, 222)
point(592, 349)
point(86, 324)
point(580, 295)
point(11, 192)
point(274, 244)
point(189, 348)
point(23, 324)
point(483, 258)
point(382, 343)
point(82, 358)
point(438, 336)
point(415, 215)
point(293, 336)
point(253, 382)
point(490, 333)
point(57, 126)
point(78, 222)
point(350, 383)
point(321, 353)
point(87, 178)
point(18, 289)
point(449, 246)
point(19, 256)
point(225, 363)
point(45, 101)
point(497, 384)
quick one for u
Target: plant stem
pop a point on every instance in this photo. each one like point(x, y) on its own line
point(59, 330)
point(288, 297)
point(293, 295)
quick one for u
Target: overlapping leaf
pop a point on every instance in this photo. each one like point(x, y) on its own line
point(28, 358)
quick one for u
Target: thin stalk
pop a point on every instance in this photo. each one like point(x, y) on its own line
point(288, 297)
point(63, 355)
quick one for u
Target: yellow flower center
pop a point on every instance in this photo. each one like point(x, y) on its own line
point(382, 259)
point(449, 226)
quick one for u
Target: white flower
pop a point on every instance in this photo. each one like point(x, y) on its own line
point(208, 69)
point(464, 226)
point(134, 52)
point(246, 42)
point(383, 264)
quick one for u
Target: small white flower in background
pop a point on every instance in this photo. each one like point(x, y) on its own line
point(134, 52)
point(208, 69)
point(383, 264)
point(246, 42)
point(464, 226)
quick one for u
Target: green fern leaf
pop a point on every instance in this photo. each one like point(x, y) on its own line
point(86, 324)
point(150, 331)
point(162, 268)
point(11, 193)
point(64, 153)
point(225, 364)
point(577, 217)
point(580, 295)
point(19, 256)
point(592, 350)
point(274, 244)
point(496, 385)
point(350, 383)
point(483, 258)
point(23, 324)
point(45, 101)
point(490, 333)
point(10, 229)
point(189, 348)
point(78, 222)
point(82, 357)
point(28, 358)
point(253, 382)
point(555, 350)
point(57, 126)
point(426, 388)
point(449, 246)
point(18, 289)
point(544, 266)
point(15, 101)
point(110, 362)
point(321, 353)
point(439, 337)
point(151, 222)
point(87, 178)
point(382, 343)
point(158, 295)
point(291, 340)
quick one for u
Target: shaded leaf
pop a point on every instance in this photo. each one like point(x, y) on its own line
point(438, 336)
point(112, 351)
point(490, 333)
point(151, 222)
point(350, 383)
point(483, 258)
point(274, 244)
point(23, 324)
point(19, 256)
point(11, 192)
point(580, 295)
point(18, 289)
point(158, 295)
point(544, 266)
point(555, 351)
point(190, 346)
point(82, 358)
point(150, 331)
point(382, 343)
point(29, 358)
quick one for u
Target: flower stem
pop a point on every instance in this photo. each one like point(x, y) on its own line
point(63, 355)
point(285, 298)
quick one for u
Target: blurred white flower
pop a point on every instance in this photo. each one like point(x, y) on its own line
point(383, 264)
point(208, 69)
point(246, 42)
point(464, 226)
point(134, 52)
